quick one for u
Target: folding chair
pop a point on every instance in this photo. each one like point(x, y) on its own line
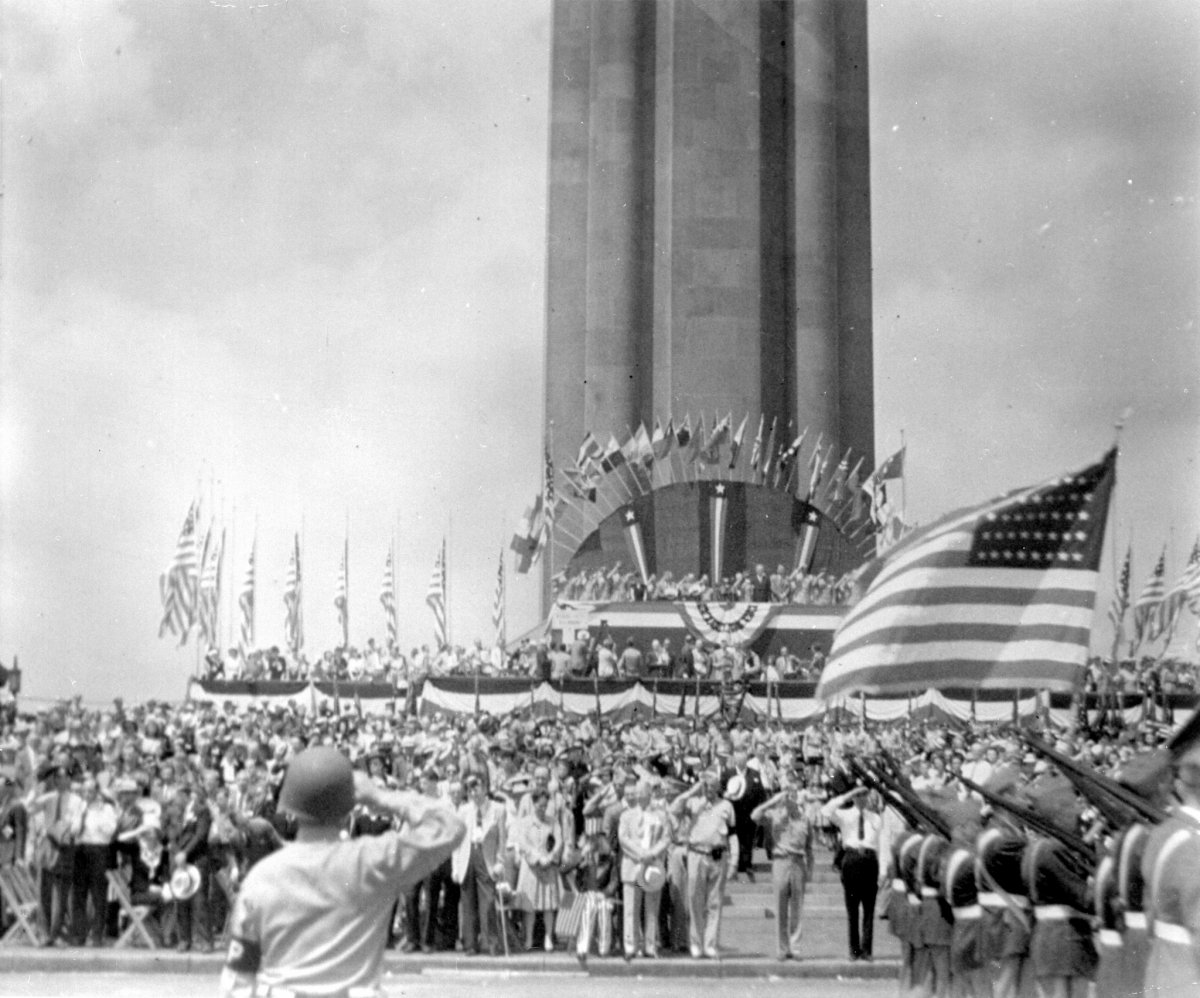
point(136, 931)
point(21, 898)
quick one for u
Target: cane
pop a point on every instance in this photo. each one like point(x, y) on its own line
point(502, 908)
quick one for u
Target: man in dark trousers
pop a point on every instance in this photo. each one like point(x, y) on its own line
point(744, 789)
point(760, 585)
point(859, 829)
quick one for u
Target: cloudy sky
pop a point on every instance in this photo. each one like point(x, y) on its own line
point(289, 257)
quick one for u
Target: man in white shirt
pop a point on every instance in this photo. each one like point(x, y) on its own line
point(859, 829)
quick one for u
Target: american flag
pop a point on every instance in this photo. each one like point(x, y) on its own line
point(246, 607)
point(387, 597)
point(997, 596)
point(1120, 602)
point(178, 584)
point(1147, 608)
point(1185, 592)
point(293, 593)
point(209, 602)
point(499, 615)
point(435, 597)
point(341, 598)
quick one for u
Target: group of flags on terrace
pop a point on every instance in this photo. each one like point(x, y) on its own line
point(604, 479)
point(190, 591)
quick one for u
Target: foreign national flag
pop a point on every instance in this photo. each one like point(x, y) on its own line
point(613, 457)
point(756, 447)
point(499, 620)
point(387, 597)
point(293, 602)
point(631, 521)
point(341, 599)
point(997, 596)
point(1120, 601)
point(711, 454)
point(735, 445)
point(530, 535)
point(590, 452)
point(643, 446)
point(435, 598)
point(783, 468)
point(664, 439)
point(209, 602)
point(698, 440)
point(549, 493)
point(892, 468)
point(1147, 609)
point(817, 464)
point(769, 452)
point(683, 435)
point(837, 482)
point(179, 583)
point(246, 607)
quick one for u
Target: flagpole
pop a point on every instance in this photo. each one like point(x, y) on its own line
point(346, 569)
point(551, 514)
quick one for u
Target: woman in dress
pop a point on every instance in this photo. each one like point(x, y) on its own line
point(539, 847)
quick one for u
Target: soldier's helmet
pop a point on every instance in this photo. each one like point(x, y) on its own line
point(319, 787)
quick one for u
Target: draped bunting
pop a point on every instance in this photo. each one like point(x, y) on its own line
point(625, 699)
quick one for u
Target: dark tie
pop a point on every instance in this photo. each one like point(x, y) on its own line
point(862, 826)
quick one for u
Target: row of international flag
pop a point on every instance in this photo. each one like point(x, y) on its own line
point(603, 478)
point(190, 591)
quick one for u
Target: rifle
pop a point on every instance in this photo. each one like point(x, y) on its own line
point(1088, 782)
point(914, 810)
point(1033, 820)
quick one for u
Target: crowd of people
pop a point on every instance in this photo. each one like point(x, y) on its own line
point(616, 585)
point(611, 838)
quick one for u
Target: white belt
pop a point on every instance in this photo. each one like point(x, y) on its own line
point(1169, 933)
point(990, 899)
point(913, 899)
point(1135, 919)
point(1055, 913)
point(968, 912)
point(899, 885)
point(279, 991)
point(1110, 938)
point(929, 892)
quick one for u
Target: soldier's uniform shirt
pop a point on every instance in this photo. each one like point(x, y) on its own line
point(1171, 869)
point(313, 917)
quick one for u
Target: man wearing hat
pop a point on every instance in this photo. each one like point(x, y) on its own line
point(313, 917)
point(644, 837)
point(710, 841)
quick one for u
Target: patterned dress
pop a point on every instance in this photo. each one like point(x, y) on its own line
point(539, 841)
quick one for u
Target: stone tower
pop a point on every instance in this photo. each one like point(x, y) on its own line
point(709, 240)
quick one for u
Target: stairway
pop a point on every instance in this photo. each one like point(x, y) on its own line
point(748, 920)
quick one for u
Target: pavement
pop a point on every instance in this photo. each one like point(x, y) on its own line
point(439, 985)
point(748, 932)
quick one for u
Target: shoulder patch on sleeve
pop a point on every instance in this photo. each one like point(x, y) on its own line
point(245, 956)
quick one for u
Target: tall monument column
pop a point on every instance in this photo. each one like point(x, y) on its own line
point(709, 218)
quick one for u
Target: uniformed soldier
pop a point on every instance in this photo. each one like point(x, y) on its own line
point(896, 911)
point(934, 915)
point(312, 918)
point(969, 970)
point(1171, 871)
point(1061, 948)
point(1007, 919)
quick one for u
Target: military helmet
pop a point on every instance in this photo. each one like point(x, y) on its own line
point(319, 786)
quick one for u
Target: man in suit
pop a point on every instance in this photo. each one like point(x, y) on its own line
point(478, 864)
point(744, 790)
point(760, 585)
point(644, 838)
point(191, 848)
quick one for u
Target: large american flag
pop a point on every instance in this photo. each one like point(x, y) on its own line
point(178, 584)
point(387, 597)
point(435, 597)
point(208, 603)
point(997, 596)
